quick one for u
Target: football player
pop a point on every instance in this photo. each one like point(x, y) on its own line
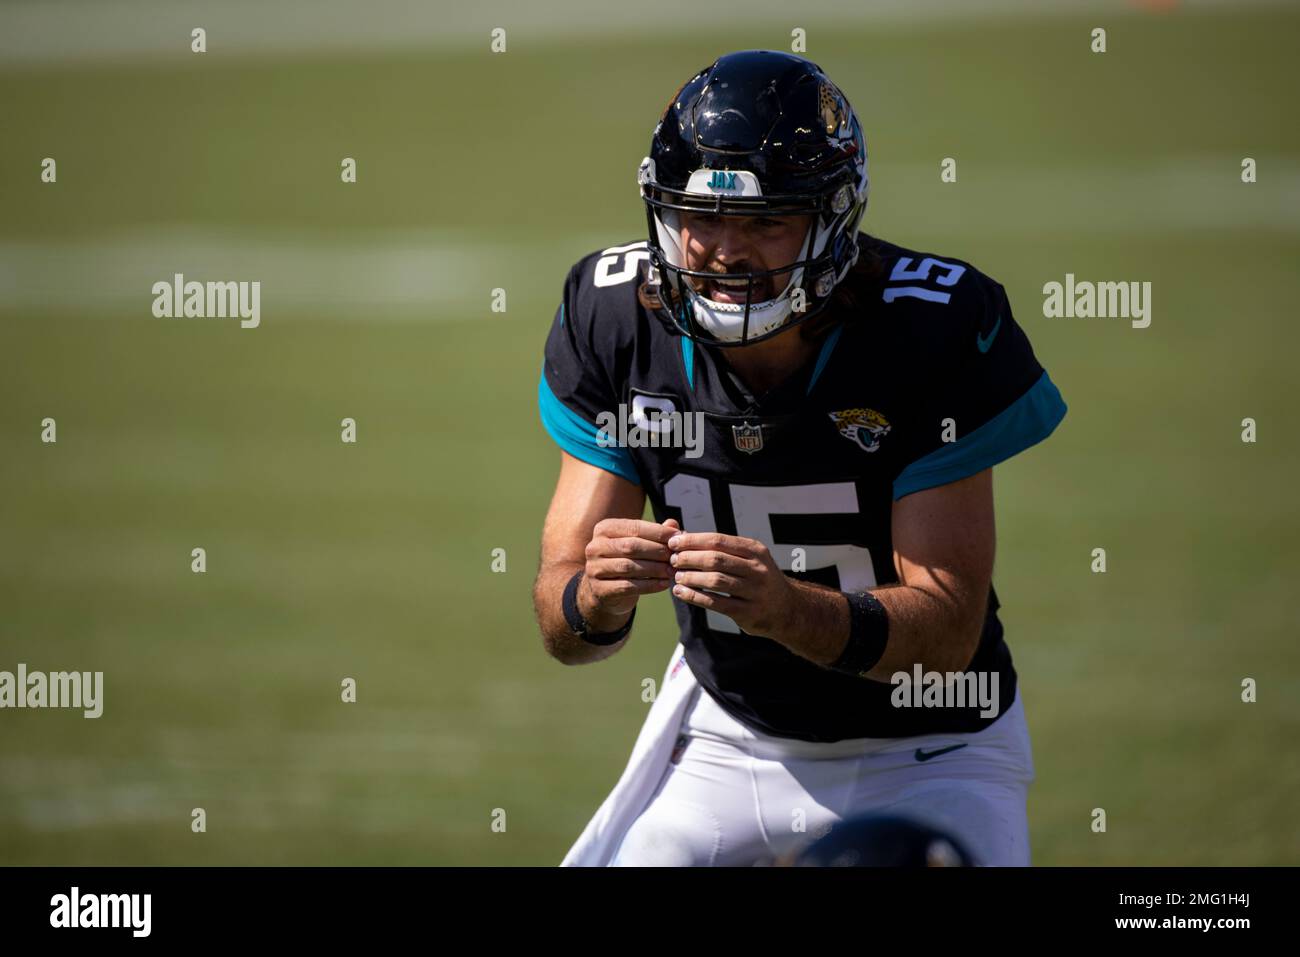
point(833, 528)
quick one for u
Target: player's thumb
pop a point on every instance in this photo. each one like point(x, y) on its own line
point(672, 523)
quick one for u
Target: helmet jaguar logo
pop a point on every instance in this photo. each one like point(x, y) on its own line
point(828, 101)
point(866, 427)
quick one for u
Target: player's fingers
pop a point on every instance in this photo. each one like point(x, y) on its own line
point(713, 581)
point(712, 561)
point(634, 528)
point(719, 603)
point(607, 589)
point(627, 548)
point(610, 568)
point(716, 542)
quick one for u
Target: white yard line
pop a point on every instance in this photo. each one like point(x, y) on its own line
point(431, 275)
point(390, 275)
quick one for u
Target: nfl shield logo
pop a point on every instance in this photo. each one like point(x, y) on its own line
point(749, 438)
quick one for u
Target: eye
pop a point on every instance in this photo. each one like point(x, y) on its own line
point(766, 222)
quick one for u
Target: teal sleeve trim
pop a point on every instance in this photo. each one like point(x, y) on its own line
point(1027, 421)
point(824, 357)
point(577, 436)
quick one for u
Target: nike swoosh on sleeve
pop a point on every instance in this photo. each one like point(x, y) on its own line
point(983, 344)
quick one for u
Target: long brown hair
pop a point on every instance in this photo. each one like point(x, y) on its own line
point(852, 297)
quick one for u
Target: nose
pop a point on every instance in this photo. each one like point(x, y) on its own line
point(732, 245)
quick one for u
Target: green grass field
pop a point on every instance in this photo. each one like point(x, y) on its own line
point(373, 561)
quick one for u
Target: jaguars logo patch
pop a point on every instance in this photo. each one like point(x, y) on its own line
point(865, 427)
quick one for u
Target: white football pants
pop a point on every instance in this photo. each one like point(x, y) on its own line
point(736, 797)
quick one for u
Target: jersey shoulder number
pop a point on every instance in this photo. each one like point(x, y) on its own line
point(923, 277)
point(619, 264)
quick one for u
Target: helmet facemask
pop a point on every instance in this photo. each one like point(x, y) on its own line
point(824, 258)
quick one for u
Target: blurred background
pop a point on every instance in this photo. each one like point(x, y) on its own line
point(479, 171)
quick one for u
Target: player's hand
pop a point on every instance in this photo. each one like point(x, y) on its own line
point(756, 594)
point(626, 558)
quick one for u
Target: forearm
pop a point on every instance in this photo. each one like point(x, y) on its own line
point(561, 643)
point(926, 626)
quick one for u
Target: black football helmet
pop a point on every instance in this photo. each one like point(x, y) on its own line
point(883, 840)
point(758, 133)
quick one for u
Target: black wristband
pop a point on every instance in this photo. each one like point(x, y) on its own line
point(578, 624)
point(868, 635)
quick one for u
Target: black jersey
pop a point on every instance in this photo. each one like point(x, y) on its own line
point(930, 382)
